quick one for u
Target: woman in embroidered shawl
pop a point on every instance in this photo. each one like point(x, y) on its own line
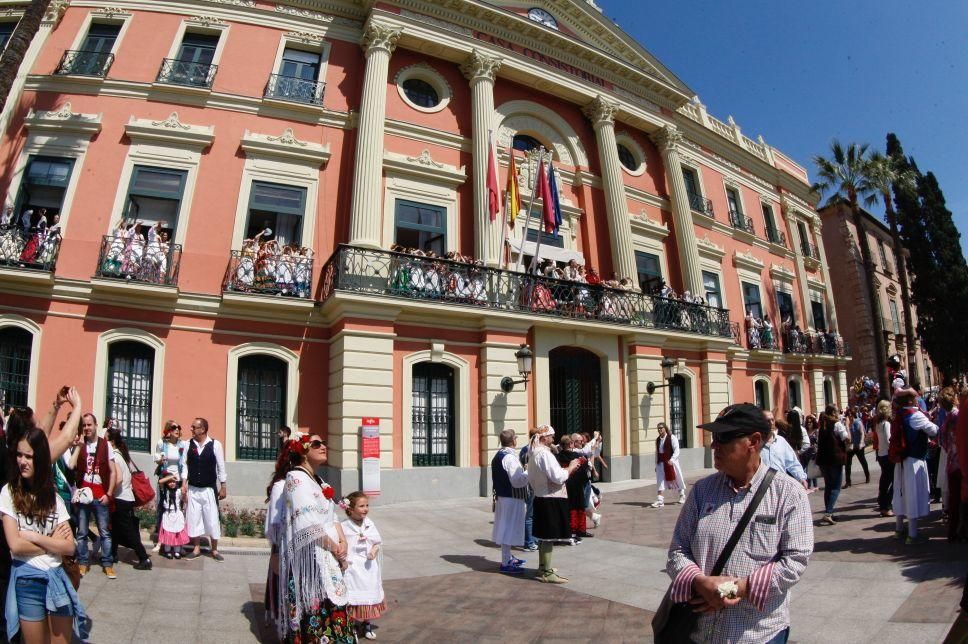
point(312, 604)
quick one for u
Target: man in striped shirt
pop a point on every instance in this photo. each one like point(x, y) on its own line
point(770, 556)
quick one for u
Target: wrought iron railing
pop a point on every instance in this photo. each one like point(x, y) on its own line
point(740, 221)
point(400, 275)
point(33, 249)
point(806, 342)
point(700, 204)
point(85, 63)
point(298, 90)
point(810, 251)
point(775, 236)
point(181, 72)
point(283, 273)
point(761, 338)
point(136, 260)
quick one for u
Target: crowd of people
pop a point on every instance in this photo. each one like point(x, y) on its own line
point(137, 252)
point(266, 266)
point(762, 334)
point(32, 239)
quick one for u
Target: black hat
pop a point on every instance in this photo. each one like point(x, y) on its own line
point(739, 420)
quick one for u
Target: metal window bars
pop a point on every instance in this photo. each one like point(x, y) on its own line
point(137, 260)
point(293, 89)
point(740, 221)
point(84, 63)
point(700, 204)
point(181, 72)
point(282, 273)
point(775, 236)
point(400, 275)
point(34, 249)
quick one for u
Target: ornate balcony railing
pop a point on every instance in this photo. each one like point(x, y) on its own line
point(806, 342)
point(180, 72)
point(137, 260)
point(775, 236)
point(34, 249)
point(740, 221)
point(761, 338)
point(810, 251)
point(399, 275)
point(283, 274)
point(296, 90)
point(85, 63)
point(700, 204)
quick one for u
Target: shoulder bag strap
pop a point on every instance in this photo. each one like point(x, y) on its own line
point(743, 522)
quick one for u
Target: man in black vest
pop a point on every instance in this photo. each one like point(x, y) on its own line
point(206, 474)
point(510, 509)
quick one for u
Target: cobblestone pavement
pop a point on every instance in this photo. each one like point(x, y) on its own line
point(443, 586)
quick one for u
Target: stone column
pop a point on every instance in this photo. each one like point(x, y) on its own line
point(602, 115)
point(366, 214)
point(480, 70)
point(829, 291)
point(668, 140)
point(645, 411)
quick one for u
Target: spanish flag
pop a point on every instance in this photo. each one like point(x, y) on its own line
point(514, 198)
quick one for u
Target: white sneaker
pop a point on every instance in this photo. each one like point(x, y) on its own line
point(682, 499)
point(596, 519)
point(658, 504)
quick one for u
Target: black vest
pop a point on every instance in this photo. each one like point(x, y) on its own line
point(501, 480)
point(202, 468)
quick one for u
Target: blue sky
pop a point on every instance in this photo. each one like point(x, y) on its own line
point(803, 73)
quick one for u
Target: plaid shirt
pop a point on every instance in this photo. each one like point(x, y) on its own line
point(772, 552)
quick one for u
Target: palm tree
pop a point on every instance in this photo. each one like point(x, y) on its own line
point(882, 174)
point(17, 46)
point(845, 177)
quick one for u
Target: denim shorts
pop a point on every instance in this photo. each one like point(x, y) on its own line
point(32, 601)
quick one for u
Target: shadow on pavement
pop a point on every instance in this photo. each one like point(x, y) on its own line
point(476, 563)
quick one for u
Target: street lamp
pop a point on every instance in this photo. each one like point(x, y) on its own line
point(525, 359)
point(668, 371)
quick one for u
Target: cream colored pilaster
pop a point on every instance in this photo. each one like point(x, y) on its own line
point(481, 70)
point(360, 385)
point(645, 411)
point(366, 214)
point(668, 140)
point(829, 290)
point(841, 392)
point(602, 115)
point(715, 388)
point(816, 388)
point(500, 411)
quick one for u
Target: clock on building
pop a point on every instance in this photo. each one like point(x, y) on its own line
point(543, 17)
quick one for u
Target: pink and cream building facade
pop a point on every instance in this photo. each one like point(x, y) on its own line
point(351, 127)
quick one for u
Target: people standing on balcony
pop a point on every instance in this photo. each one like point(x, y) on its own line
point(35, 233)
point(206, 473)
point(304, 271)
point(50, 241)
point(94, 471)
point(510, 507)
point(27, 220)
point(752, 331)
point(134, 250)
point(668, 473)
point(857, 445)
point(912, 488)
point(6, 219)
point(832, 439)
point(265, 265)
point(769, 341)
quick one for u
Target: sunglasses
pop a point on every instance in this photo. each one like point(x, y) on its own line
point(725, 438)
point(317, 444)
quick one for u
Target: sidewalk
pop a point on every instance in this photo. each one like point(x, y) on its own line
point(442, 584)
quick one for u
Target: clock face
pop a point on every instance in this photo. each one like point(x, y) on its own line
point(543, 17)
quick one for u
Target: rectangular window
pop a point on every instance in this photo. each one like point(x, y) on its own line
point(547, 239)
point(895, 318)
point(279, 209)
point(198, 48)
point(804, 239)
point(297, 63)
point(193, 63)
point(785, 304)
point(44, 184)
point(101, 38)
point(714, 296)
point(6, 30)
point(751, 297)
point(819, 318)
point(883, 252)
point(94, 57)
point(732, 199)
point(154, 195)
point(421, 226)
point(692, 183)
point(649, 271)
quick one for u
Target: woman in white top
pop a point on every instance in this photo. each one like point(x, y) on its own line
point(275, 507)
point(551, 519)
point(882, 431)
point(125, 527)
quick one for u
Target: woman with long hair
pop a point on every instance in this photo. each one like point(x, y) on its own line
point(808, 452)
point(41, 602)
point(312, 602)
point(290, 456)
point(125, 527)
point(831, 456)
point(794, 434)
point(170, 454)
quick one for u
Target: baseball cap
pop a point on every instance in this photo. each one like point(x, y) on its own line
point(738, 420)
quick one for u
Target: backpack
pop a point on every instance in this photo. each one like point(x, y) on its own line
point(897, 446)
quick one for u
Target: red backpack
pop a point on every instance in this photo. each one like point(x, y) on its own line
point(897, 446)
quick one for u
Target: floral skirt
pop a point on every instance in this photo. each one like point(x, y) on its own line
point(327, 623)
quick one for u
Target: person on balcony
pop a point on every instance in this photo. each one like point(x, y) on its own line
point(768, 340)
point(134, 250)
point(265, 265)
point(48, 246)
point(304, 263)
point(6, 219)
point(752, 331)
point(36, 235)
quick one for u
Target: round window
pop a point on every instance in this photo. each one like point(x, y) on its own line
point(627, 159)
point(525, 143)
point(421, 93)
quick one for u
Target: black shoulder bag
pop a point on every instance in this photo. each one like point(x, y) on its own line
point(675, 623)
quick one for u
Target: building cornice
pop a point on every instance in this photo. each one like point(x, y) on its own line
point(285, 146)
point(63, 120)
point(170, 131)
point(424, 167)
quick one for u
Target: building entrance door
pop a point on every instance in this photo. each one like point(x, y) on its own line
point(576, 391)
point(678, 421)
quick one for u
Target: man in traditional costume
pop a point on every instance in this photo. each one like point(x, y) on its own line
point(668, 474)
point(510, 510)
point(206, 473)
point(912, 490)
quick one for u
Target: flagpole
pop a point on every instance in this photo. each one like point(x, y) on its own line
point(504, 236)
point(541, 228)
point(527, 220)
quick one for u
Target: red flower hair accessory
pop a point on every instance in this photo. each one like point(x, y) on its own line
point(300, 445)
point(329, 492)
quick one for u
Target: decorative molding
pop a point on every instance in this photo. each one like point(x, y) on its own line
point(748, 261)
point(892, 289)
point(780, 272)
point(429, 75)
point(170, 132)
point(708, 247)
point(63, 119)
point(379, 37)
point(425, 168)
point(172, 122)
point(285, 146)
point(305, 37)
point(480, 67)
point(816, 284)
point(668, 138)
point(425, 159)
point(601, 112)
point(644, 224)
point(236, 3)
point(55, 11)
point(303, 13)
point(207, 21)
point(111, 12)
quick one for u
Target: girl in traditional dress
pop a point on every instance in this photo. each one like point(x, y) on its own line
point(275, 507)
point(36, 235)
point(245, 272)
point(312, 602)
point(364, 571)
point(134, 250)
point(173, 533)
point(668, 474)
point(112, 259)
point(265, 265)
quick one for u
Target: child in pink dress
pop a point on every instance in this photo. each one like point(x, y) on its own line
point(173, 533)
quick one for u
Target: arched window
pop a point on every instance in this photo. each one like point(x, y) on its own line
point(420, 92)
point(828, 392)
point(261, 406)
point(15, 344)
point(794, 388)
point(627, 159)
point(761, 390)
point(131, 368)
point(433, 414)
point(525, 143)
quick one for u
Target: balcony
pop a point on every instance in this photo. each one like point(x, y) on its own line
point(294, 90)
point(280, 274)
point(187, 74)
point(759, 337)
point(809, 343)
point(739, 221)
point(84, 63)
point(810, 251)
point(775, 236)
point(136, 261)
point(700, 204)
point(402, 276)
point(27, 252)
